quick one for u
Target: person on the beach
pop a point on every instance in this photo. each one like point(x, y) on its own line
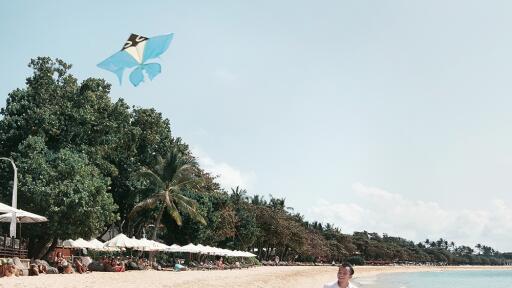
point(220, 263)
point(178, 267)
point(80, 268)
point(61, 262)
point(345, 273)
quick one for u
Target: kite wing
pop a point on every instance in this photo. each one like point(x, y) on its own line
point(156, 46)
point(118, 62)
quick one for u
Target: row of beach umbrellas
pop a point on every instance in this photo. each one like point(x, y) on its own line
point(122, 241)
point(201, 249)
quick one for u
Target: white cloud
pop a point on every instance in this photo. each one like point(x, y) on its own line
point(228, 176)
point(386, 212)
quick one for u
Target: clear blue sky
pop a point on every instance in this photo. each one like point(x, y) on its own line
point(391, 116)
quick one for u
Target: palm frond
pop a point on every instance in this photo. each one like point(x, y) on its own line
point(185, 183)
point(175, 214)
point(185, 171)
point(181, 198)
point(167, 198)
point(151, 176)
point(147, 203)
point(192, 212)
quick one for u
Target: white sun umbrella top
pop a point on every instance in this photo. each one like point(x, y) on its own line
point(219, 251)
point(211, 250)
point(137, 244)
point(4, 208)
point(69, 243)
point(232, 253)
point(203, 249)
point(121, 241)
point(144, 244)
point(81, 243)
point(23, 216)
point(96, 244)
point(160, 246)
point(249, 254)
point(191, 248)
point(150, 245)
point(78, 243)
point(174, 248)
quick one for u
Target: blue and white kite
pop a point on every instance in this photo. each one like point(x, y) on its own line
point(135, 53)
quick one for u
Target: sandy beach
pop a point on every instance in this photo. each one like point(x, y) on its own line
point(301, 277)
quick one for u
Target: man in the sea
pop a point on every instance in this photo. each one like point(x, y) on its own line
point(345, 273)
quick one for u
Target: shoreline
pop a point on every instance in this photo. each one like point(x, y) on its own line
point(370, 276)
point(257, 277)
point(364, 271)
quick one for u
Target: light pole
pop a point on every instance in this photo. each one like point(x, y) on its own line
point(14, 197)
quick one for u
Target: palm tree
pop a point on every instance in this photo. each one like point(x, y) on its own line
point(238, 195)
point(172, 175)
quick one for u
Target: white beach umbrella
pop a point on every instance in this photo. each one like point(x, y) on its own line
point(240, 253)
point(69, 244)
point(219, 251)
point(121, 241)
point(202, 249)
point(160, 246)
point(78, 243)
point(137, 243)
point(144, 245)
point(23, 216)
point(244, 254)
point(174, 248)
point(190, 248)
point(81, 243)
point(210, 250)
point(232, 253)
point(96, 244)
point(4, 208)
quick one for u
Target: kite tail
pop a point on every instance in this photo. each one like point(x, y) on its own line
point(136, 77)
point(152, 69)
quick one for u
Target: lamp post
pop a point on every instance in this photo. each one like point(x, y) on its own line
point(14, 197)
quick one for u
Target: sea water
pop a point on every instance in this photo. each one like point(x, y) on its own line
point(447, 279)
